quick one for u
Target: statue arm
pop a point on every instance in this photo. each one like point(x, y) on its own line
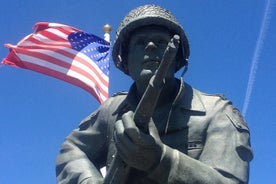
point(225, 157)
point(83, 153)
point(184, 169)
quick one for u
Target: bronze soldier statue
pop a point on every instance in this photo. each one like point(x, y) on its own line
point(187, 137)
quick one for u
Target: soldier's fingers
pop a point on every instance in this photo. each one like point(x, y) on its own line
point(130, 127)
point(119, 127)
point(123, 143)
point(125, 147)
point(120, 135)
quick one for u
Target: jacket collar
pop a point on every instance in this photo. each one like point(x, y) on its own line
point(191, 99)
point(187, 98)
point(129, 103)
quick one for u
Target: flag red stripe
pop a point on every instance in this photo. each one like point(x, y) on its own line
point(86, 63)
point(66, 30)
point(64, 77)
point(31, 42)
point(58, 61)
point(13, 60)
point(42, 26)
point(53, 37)
point(61, 63)
point(48, 42)
point(48, 51)
point(73, 56)
point(35, 41)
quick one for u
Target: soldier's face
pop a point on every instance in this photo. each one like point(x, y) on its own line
point(146, 48)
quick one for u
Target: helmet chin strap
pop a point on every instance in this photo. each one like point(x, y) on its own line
point(119, 64)
point(177, 98)
point(185, 69)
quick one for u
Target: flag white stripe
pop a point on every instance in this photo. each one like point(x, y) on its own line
point(77, 63)
point(58, 33)
point(69, 50)
point(48, 40)
point(52, 24)
point(93, 64)
point(87, 81)
point(72, 51)
point(49, 51)
point(65, 58)
point(46, 64)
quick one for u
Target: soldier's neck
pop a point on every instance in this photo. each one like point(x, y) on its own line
point(167, 94)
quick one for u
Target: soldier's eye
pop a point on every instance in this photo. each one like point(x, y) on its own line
point(140, 42)
point(162, 42)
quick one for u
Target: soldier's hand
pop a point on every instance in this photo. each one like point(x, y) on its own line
point(92, 181)
point(139, 150)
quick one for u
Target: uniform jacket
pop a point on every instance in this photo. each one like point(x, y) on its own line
point(207, 141)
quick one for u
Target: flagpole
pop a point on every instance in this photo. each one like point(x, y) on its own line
point(107, 30)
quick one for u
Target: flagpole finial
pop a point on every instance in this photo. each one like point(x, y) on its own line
point(107, 30)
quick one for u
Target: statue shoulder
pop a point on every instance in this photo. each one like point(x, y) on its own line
point(219, 104)
point(114, 101)
point(104, 111)
point(121, 93)
point(231, 111)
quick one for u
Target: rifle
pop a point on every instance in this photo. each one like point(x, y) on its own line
point(118, 171)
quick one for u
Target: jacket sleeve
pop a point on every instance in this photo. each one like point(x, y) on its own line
point(83, 152)
point(224, 159)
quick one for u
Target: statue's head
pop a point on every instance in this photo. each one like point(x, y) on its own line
point(147, 15)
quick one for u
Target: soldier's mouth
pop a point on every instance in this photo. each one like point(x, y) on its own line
point(151, 64)
point(151, 60)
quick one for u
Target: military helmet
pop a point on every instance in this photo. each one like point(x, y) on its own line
point(147, 15)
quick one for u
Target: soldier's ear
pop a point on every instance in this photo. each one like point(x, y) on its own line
point(123, 63)
point(178, 60)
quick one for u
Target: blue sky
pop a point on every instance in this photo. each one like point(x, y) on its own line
point(226, 37)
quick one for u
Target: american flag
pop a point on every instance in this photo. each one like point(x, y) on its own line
point(66, 53)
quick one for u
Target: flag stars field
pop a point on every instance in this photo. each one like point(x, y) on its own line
point(74, 58)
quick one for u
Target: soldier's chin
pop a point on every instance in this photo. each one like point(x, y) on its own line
point(147, 74)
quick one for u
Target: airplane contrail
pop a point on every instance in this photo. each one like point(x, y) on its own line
point(257, 52)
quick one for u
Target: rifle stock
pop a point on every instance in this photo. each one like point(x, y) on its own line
point(118, 171)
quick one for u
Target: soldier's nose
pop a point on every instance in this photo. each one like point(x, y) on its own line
point(150, 46)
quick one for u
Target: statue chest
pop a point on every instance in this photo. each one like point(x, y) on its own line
point(186, 131)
